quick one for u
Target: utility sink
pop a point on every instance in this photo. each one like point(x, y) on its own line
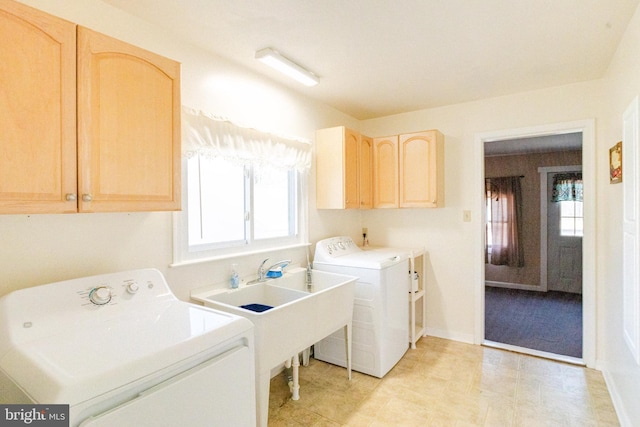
point(265, 293)
point(300, 316)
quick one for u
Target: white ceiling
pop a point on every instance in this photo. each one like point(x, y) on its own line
point(381, 57)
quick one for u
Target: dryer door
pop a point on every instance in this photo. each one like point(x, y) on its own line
point(218, 392)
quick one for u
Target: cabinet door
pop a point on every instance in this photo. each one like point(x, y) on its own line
point(385, 172)
point(421, 169)
point(366, 172)
point(351, 177)
point(128, 127)
point(329, 164)
point(37, 111)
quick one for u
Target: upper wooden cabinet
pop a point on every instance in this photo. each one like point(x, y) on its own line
point(119, 152)
point(37, 111)
point(421, 170)
point(128, 127)
point(385, 172)
point(365, 157)
point(399, 171)
point(340, 172)
point(409, 170)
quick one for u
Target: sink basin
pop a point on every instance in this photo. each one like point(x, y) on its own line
point(299, 318)
point(265, 293)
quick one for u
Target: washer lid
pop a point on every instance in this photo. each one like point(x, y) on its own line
point(96, 356)
point(343, 251)
point(375, 261)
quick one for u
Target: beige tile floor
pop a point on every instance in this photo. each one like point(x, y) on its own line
point(447, 383)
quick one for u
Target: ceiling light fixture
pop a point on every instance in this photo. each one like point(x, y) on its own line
point(273, 59)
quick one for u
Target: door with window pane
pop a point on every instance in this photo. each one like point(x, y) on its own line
point(564, 243)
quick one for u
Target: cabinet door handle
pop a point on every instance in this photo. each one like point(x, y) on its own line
point(71, 197)
point(87, 197)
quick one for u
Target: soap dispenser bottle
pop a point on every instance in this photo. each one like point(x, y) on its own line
point(234, 279)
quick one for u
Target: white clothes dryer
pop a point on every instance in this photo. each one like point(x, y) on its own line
point(381, 310)
point(121, 350)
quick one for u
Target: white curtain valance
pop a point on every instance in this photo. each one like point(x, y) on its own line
point(210, 136)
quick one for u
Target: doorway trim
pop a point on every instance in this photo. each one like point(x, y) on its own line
point(587, 128)
point(544, 203)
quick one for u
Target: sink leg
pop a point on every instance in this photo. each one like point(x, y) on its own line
point(347, 343)
point(305, 356)
point(262, 404)
point(295, 387)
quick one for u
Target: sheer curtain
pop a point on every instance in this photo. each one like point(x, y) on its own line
point(504, 200)
point(211, 136)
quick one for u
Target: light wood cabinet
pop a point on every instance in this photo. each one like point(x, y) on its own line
point(37, 111)
point(111, 135)
point(399, 171)
point(365, 157)
point(409, 170)
point(421, 166)
point(128, 127)
point(385, 172)
point(341, 174)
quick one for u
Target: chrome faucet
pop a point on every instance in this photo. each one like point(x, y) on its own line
point(262, 272)
point(281, 264)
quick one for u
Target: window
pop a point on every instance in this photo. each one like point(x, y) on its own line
point(488, 225)
point(568, 191)
point(245, 191)
point(497, 222)
point(571, 221)
point(503, 244)
point(234, 205)
point(216, 202)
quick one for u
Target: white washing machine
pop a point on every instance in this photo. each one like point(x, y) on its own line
point(121, 350)
point(380, 312)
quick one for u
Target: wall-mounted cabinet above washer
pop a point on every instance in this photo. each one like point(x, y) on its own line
point(399, 171)
point(106, 140)
point(385, 172)
point(421, 169)
point(343, 169)
point(408, 170)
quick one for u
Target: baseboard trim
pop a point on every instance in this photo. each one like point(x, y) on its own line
point(510, 285)
point(445, 334)
point(618, 404)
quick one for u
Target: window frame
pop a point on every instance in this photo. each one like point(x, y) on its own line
point(184, 254)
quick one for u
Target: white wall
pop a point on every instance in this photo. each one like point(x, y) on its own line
point(452, 277)
point(621, 85)
point(454, 264)
point(38, 249)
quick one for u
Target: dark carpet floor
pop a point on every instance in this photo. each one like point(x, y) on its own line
point(545, 321)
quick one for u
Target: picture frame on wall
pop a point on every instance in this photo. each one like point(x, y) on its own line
point(615, 163)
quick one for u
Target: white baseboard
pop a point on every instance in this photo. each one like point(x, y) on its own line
point(514, 286)
point(615, 397)
point(448, 335)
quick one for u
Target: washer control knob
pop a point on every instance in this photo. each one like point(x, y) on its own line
point(100, 295)
point(132, 287)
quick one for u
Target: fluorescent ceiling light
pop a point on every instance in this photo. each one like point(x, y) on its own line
point(273, 59)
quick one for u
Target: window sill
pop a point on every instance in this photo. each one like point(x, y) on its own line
point(237, 255)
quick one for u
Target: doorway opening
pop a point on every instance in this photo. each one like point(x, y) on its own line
point(533, 306)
